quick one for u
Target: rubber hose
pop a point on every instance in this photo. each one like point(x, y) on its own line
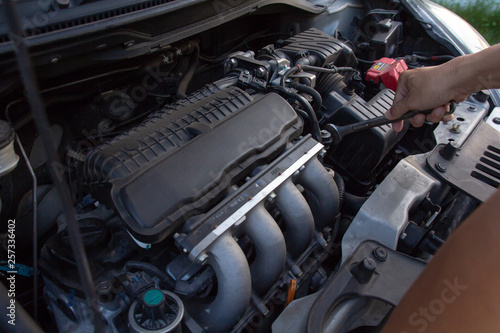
point(316, 131)
point(353, 203)
point(341, 186)
point(318, 101)
point(329, 82)
point(193, 62)
point(328, 70)
point(289, 72)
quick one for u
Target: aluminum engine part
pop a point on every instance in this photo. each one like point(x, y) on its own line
point(473, 168)
point(384, 215)
point(243, 212)
point(467, 116)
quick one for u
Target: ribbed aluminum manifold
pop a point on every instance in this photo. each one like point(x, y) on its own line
point(307, 198)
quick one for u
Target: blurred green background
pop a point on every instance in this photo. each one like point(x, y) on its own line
point(484, 15)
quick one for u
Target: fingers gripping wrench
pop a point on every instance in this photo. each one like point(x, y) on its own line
point(338, 132)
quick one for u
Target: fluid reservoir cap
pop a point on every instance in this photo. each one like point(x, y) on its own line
point(153, 297)
point(149, 316)
point(6, 134)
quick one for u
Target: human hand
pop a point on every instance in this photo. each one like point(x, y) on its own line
point(423, 89)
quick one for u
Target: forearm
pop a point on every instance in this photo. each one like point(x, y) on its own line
point(475, 72)
point(434, 87)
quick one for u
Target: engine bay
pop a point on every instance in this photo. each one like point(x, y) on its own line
point(210, 194)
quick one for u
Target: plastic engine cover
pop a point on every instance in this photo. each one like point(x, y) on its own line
point(358, 155)
point(325, 47)
point(155, 195)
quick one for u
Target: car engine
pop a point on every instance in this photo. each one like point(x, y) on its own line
point(210, 194)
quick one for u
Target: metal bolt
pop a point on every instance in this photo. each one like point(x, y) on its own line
point(185, 250)
point(55, 60)
point(103, 286)
point(202, 258)
point(496, 120)
point(455, 127)
point(369, 264)
point(380, 253)
point(471, 108)
point(271, 197)
point(246, 72)
point(230, 64)
point(103, 290)
point(322, 153)
point(261, 72)
point(441, 167)
point(325, 134)
point(403, 235)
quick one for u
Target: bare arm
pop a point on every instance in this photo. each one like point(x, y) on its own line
point(459, 290)
point(433, 87)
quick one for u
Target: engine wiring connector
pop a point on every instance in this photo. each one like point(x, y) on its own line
point(387, 72)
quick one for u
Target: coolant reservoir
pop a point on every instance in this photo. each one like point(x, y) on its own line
point(8, 157)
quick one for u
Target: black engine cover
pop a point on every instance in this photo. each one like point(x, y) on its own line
point(359, 154)
point(154, 194)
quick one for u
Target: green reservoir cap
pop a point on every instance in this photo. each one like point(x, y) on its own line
point(153, 297)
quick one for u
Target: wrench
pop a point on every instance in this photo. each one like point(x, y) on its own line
point(338, 132)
